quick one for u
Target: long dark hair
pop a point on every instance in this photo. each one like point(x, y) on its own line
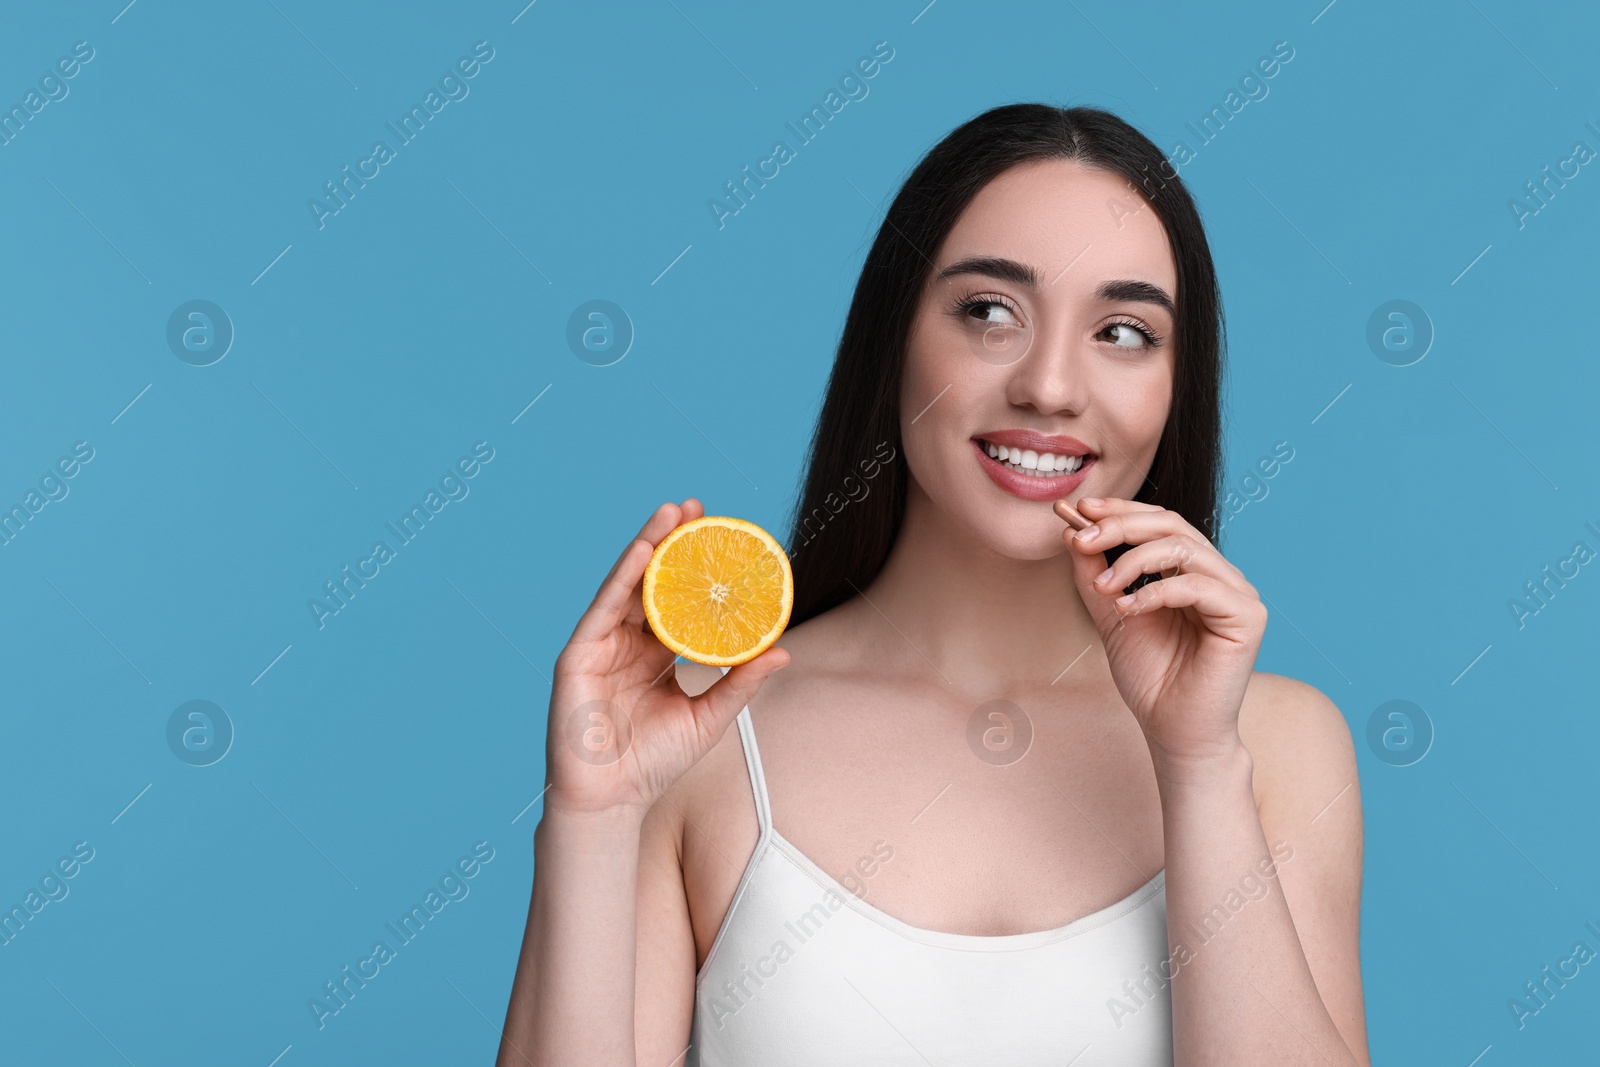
point(839, 540)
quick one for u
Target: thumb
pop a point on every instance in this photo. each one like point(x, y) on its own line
point(719, 705)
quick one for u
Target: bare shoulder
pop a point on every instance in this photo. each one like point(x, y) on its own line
point(719, 783)
point(1276, 705)
point(712, 803)
point(1300, 744)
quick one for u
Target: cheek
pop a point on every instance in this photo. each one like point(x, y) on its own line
point(1133, 413)
point(934, 395)
point(1161, 398)
point(922, 437)
point(1153, 404)
point(1145, 397)
point(926, 361)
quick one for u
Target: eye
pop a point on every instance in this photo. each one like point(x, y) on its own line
point(1136, 334)
point(989, 310)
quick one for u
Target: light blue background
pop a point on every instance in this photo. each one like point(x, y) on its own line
point(429, 312)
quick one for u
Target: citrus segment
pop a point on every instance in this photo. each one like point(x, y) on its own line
point(718, 590)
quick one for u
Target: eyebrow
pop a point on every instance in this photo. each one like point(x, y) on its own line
point(1113, 291)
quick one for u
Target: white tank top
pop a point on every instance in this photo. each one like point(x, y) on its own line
point(804, 971)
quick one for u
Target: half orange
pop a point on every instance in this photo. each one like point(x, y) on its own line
point(718, 590)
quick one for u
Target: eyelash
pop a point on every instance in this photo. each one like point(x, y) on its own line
point(972, 300)
point(1153, 339)
point(967, 303)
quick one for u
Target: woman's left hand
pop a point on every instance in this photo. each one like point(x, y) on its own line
point(1182, 650)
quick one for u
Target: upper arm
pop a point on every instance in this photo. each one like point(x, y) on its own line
point(664, 964)
point(1309, 796)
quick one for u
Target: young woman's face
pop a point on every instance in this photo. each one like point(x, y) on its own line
point(1045, 330)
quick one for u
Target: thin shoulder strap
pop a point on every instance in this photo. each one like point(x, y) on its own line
point(752, 761)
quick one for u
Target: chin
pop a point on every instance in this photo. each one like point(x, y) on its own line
point(1016, 529)
point(1005, 525)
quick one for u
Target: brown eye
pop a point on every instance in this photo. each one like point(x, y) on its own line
point(988, 312)
point(1132, 335)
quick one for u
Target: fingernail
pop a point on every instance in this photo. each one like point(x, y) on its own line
point(1103, 576)
point(1090, 534)
point(1126, 599)
point(1092, 501)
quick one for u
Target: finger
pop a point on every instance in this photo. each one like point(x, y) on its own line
point(1171, 555)
point(689, 510)
point(663, 521)
point(719, 705)
point(1137, 527)
point(615, 597)
point(613, 601)
point(1086, 563)
point(1225, 611)
point(1095, 507)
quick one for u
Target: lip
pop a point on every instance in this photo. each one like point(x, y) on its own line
point(1059, 444)
point(1027, 486)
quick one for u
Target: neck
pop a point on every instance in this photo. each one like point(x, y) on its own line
point(985, 622)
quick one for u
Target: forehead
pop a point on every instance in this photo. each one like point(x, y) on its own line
point(1052, 213)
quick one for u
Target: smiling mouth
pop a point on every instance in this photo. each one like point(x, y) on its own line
point(1027, 462)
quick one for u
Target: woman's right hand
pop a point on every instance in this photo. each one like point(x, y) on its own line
point(622, 730)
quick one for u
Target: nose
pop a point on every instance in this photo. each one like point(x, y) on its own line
point(1054, 375)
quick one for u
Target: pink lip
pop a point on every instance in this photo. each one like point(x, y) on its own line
point(1027, 486)
point(1056, 444)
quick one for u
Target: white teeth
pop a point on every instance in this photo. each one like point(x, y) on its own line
point(1034, 464)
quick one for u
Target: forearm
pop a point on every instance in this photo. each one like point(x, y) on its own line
point(1241, 989)
point(572, 1000)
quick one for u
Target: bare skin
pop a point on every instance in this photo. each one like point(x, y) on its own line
point(1156, 743)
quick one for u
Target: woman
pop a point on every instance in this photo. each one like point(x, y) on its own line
point(999, 811)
